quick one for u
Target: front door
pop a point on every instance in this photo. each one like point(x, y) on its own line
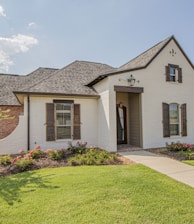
point(121, 125)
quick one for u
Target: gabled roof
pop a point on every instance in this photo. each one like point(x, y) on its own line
point(142, 61)
point(70, 80)
point(75, 79)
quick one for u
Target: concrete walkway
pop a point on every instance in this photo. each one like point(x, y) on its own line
point(172, 168)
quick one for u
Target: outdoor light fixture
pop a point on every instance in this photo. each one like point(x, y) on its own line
point(131, 80)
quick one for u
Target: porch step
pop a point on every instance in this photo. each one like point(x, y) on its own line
point(128, 148)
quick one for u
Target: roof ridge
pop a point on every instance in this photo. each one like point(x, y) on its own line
point(165, 41)
point(93, 62)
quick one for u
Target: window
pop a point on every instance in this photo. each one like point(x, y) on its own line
point(173, 73)
point(174, 123)
point(174, 119)
point(63, 113)
point(63, 120)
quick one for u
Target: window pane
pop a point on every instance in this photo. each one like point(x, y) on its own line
point(66, 107)
point(174, 113)
point(174, 129)
point(64, 132)
point(63, 119)
point(172, 71)
point(172, 78)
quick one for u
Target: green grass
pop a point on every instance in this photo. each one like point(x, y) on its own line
point(189, 162)
point(97, 194)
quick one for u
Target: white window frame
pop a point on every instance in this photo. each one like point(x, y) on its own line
point(178, 122)
point(173, 75)
point(64, 125)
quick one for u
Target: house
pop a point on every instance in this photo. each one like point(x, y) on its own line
point(145, 103)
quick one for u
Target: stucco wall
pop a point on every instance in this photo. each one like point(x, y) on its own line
point(17, 139)
point(89, 122)
point(157, 91)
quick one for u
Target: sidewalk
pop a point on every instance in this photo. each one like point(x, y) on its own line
point(172, 168)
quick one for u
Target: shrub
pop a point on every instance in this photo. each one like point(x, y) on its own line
point(93, 157)
point(79, 148)
point(56, 154)
point(23, 162)
point(5, 160)
point(187, 154)
point(179, 147)
point(36, 153)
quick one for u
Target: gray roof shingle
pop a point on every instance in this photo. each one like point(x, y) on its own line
point(11, 83)
point(71, 80)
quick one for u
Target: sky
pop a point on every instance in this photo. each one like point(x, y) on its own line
point(54, 33)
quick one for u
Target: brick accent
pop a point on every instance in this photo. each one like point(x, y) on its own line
point(7, 126)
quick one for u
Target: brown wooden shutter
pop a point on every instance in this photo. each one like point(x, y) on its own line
point(50, 122)
point(180, 79)
point(76, 122)
point(184, 119)
point(166, 125)
point(167, 73)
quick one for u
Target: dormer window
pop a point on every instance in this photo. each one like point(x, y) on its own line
point(173, 73)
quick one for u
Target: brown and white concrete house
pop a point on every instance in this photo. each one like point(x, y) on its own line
point(145, 103)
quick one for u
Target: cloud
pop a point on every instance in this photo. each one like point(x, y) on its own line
point(2, 11)
point(14, 45)
point(32, 25)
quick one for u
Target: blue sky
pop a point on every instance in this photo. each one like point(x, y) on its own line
point(54, 33)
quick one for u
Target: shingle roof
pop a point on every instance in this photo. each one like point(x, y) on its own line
point(139, 62)
point(71, 80)
point(10, 83)
point(146, 57)
point(75, 79)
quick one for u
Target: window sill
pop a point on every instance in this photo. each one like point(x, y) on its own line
point(63, 140)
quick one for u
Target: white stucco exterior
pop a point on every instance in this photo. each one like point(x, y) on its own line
point(17, 139)
point(156, 91)
point(89, 122)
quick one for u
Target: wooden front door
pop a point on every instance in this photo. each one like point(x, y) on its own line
point(121, 124)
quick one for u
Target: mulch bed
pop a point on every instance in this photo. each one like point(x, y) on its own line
point(172, 154)
point(46, 162)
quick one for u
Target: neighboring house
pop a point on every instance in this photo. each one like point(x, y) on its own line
point(145, 103)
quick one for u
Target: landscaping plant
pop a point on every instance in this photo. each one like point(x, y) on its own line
point(94, 157)
point(5, 160)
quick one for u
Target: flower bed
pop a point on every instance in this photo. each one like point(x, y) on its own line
point(74, 155)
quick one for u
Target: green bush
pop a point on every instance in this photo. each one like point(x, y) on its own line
point(93, 157)
point(36, 153)
point(5, 160)
point(79, 148)
point(23, 162)
point(56, 154)
point(179, 147)
point(187, 154)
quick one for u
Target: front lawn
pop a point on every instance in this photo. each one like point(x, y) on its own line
point(95, 194)
point(189, 162)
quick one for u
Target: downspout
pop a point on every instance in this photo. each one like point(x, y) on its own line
point(28, 123)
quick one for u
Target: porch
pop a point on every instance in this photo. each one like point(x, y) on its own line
point(129, 118)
